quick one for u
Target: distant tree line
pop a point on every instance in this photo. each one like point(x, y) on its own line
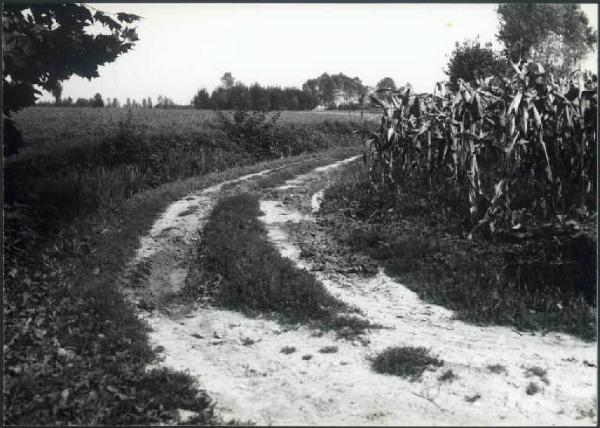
point(97, 101)
point(232, 95)
point(326, 92)
point(336, 91)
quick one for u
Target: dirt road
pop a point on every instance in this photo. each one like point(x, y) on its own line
point(238, 360)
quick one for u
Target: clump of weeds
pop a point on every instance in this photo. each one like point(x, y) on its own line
point(496, 368)
point(328, 349)
point(532, 388)
point(288, 350)
point(447, 376)
point(539, 372)
point(405, 361)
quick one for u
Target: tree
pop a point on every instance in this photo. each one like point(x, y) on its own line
point(363, 91)
point(115, 103)
point(164, 102)
point(201, 100)
point(149, 102)
point(220, 98)
point(238, 96)
point(44, 44)
point(327, 89)
point(227, 80)
point(386, 83)
point(144, 105)
point(558, 34)
point(57, 92)
point(470, 61)
point(97, 101)
point(259, 98)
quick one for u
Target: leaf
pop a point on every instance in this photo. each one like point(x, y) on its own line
point(390, 133)
point(537, 118)
point(514, 105)
point(547, 168)
point(379, 102)
point(127, 17)
point(64, 396)
point(523, 119)
point(107, 21)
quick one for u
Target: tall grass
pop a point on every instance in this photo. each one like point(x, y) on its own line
point(76, 177)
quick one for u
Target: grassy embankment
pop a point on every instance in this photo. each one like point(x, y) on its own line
point(542, 282)
point(76, 202)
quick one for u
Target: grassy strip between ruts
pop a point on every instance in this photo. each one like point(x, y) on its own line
point(543, 284)
point(254, 277)
point(74, 351)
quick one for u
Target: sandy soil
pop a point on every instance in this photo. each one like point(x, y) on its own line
point(238, 360)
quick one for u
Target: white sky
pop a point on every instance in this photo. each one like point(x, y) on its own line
point(184, 47)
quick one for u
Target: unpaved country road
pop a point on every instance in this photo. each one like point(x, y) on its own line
point(238, 360)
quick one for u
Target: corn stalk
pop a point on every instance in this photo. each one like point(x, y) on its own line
point(520, 145)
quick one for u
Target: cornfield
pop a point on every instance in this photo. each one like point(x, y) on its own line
point(508, 147)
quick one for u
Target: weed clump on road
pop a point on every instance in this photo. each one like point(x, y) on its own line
point(288, 350)
point(405, 361)
point(496, 368)
point(328, 349)
point(539, 372)
point(447, 376)
point(532, 388)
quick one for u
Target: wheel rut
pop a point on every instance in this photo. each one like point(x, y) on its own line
point(238, 359)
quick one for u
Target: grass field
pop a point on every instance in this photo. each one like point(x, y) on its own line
point(51, 127)
point(77, 159)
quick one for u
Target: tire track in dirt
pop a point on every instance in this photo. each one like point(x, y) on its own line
point(238, 360)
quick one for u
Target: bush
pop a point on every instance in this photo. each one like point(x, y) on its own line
point(254, 132)
point(405, 361)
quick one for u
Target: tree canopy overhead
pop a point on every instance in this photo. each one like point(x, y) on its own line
point(45, 44)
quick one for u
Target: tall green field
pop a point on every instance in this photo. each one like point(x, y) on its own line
point(77, 160)
point(48, 128)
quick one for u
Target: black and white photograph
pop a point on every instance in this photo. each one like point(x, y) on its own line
point(309, 214)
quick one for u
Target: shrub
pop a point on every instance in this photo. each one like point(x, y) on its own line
point(405, 361)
